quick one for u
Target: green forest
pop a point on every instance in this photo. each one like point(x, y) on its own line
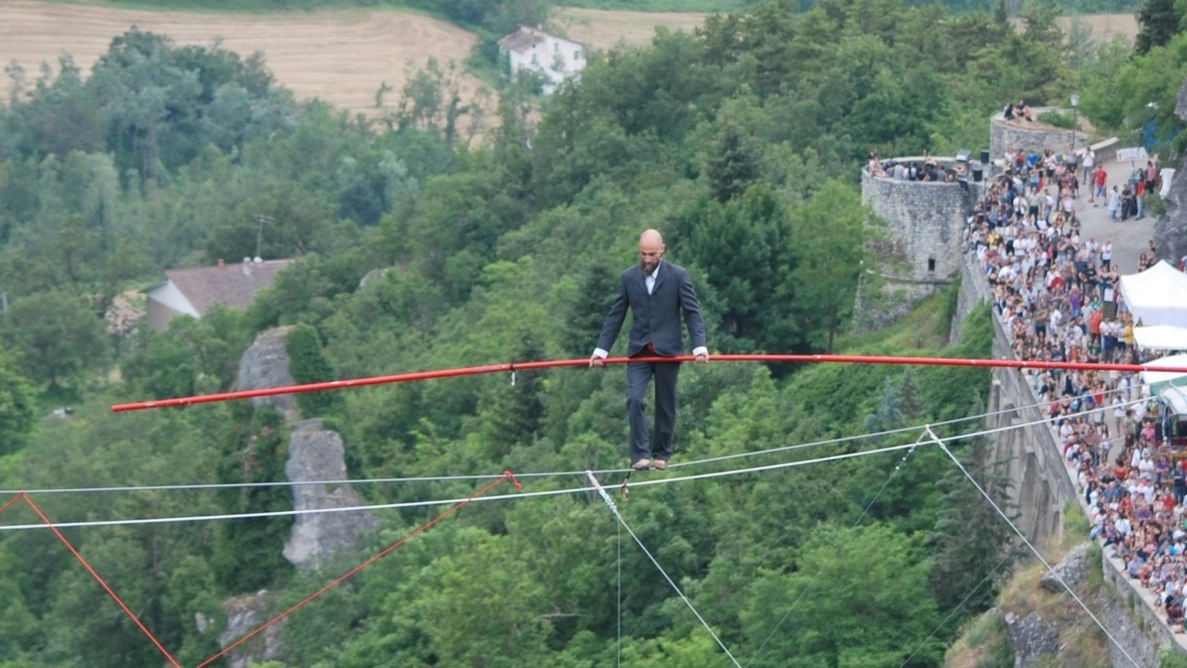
point(741, 142)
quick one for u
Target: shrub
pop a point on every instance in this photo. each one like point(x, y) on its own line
point(1059, 119)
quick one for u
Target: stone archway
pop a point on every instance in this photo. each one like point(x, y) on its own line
point(1035, 517)
point(1032, 492)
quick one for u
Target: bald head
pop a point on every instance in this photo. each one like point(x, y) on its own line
point(651, 250)
point(651, 238)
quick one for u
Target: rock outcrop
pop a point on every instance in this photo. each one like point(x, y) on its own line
point(316, 454)
point(266, 364)
point(1070, 571)
point(244, 615)
point(1033, 638)
point(1170, 232)
point(1044, 626)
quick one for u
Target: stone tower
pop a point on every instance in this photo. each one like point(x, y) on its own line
point(925, 226)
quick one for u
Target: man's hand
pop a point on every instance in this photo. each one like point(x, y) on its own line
point(594, 360)
point(703, 358)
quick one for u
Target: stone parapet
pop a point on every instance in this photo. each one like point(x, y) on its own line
point(1030, 136)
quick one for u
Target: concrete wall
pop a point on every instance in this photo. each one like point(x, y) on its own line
point(1028, 136)
point(158, 315)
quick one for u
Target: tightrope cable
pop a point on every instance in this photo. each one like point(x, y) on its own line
point(555, 492)
point(622, 522)
point(619, 659)
point(549, 474)
point(583, 362)
point(497, 497)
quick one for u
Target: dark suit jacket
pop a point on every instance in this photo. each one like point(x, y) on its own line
point(656, 315)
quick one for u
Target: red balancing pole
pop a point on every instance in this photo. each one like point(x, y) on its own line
point(550, 364)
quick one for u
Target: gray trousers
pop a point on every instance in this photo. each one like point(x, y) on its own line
point(639, 375)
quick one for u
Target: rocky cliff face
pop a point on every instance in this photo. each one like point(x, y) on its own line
point(316, 454)
point(266, 364)
point(1170, 232)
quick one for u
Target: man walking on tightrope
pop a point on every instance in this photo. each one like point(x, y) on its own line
point(657, 292)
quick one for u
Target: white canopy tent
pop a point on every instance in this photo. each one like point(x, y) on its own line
point(1175, 399)
point(1160, 380)
point(1161, 337)
point(1157, 296)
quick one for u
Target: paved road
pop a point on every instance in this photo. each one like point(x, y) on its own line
point(1131, 238)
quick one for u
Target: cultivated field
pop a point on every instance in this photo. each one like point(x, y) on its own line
point(341, 57)
point(1104, 27)
point(600, 30)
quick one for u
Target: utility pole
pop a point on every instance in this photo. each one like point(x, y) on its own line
point(260, 219)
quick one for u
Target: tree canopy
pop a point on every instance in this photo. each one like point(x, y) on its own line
point(414, 250)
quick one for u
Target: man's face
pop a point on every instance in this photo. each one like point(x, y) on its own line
point(650, 254)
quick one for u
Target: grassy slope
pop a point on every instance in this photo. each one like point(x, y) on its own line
point(926, 327)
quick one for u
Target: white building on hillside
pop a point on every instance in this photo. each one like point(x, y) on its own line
point(554, 58)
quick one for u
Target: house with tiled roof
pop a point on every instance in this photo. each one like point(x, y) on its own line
point(552, 57)
point(194, 291)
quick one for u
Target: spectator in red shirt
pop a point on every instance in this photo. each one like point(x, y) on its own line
point(1099, 180)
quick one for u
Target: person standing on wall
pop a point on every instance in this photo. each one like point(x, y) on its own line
point(658, 293)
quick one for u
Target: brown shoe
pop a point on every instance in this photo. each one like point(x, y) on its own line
point(641, 465)
point(660, 464)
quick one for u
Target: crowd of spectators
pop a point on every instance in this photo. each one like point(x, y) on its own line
point(923, 169)
point(1057, 295)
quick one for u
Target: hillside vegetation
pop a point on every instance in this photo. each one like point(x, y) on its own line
point(742, 143)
